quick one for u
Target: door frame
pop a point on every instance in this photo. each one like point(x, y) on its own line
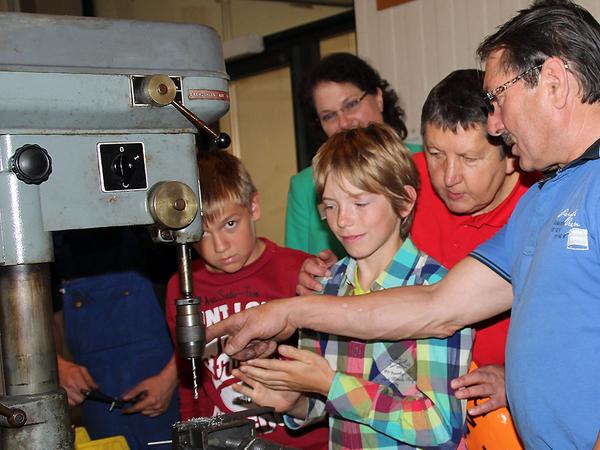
point(298, 48)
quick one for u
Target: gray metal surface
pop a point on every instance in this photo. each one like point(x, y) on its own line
point(68, 114)
point(74, 186)
point(29, 354)
point(72, 197)
point(67, 86)
point(95, 45)
point(46, 428)
point(22, 237)
point(57, 103)
point(72, 75)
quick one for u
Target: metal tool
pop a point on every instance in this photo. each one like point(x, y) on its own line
point(228, 431)
point(113, 402)
point(241, 400)
point(160, 91)
point(189, 324)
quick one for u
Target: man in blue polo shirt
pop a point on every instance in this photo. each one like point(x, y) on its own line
point(544, 98)
point(543, 93)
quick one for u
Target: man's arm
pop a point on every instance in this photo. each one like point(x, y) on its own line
point(469, 293)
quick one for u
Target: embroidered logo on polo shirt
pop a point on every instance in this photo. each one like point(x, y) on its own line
point(566, 226)
point(567, 217)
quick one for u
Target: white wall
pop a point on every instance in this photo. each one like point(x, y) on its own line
point(415, 44)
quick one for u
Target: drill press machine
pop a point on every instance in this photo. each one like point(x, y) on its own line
point(97, 129)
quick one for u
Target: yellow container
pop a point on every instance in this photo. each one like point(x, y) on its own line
point(83, 442)
point(81, 435)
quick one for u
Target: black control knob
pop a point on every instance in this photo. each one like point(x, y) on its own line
point(222, 140)
point(124, 167)
point(31, 163)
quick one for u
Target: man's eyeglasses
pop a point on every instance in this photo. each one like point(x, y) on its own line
point(350, 105)
point(490, 97)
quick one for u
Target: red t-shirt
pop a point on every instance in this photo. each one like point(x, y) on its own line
point(450, 237)
point(273, 275)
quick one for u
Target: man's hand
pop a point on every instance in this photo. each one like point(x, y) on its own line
point(315, 267)
point(486, 381)
point(156, 392)
point(74, 378)
point(300, 371)
point(251, 330)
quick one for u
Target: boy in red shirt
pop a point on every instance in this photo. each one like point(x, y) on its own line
point(235, 271)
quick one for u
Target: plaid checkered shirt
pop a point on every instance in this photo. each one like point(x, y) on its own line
point(390, 394)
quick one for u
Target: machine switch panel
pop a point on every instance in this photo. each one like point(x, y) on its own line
point(122, 166)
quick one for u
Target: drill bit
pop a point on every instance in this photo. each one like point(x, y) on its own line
point(194, 378)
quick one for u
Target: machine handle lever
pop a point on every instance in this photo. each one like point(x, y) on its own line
point(14, 416)
point(222, 140)
point(160, 90)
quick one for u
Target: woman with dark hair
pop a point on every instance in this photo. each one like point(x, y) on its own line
point(340, 93)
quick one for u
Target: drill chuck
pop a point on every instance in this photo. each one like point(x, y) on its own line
point(189, 328)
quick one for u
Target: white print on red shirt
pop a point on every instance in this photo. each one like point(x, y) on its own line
point(219, 365)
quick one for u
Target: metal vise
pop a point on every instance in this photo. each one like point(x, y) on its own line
point(225, 432)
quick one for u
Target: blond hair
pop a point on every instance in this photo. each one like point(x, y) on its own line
point(223, 178)
point(373, 159)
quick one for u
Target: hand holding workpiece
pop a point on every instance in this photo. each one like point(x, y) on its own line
point(301, 370)
point(281, 401)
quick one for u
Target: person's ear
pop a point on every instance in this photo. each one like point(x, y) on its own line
point(255, 207)
point(554, 79)
point(379, 99)
point(409, 204)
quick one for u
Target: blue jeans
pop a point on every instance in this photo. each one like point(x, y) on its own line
point(115, 327)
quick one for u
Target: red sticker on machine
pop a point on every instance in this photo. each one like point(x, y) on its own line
point(208, 94)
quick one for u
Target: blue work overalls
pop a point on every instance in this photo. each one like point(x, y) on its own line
point(115, 328)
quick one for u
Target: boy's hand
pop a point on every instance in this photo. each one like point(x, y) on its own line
point(261, 395)
point(315, 267)
point(302, 371)
point(486, 381)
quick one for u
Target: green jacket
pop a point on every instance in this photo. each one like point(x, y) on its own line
point(304, 229)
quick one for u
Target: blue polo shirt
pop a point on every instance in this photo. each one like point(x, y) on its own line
point(550, 252)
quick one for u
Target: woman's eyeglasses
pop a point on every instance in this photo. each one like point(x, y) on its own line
point(350, 105)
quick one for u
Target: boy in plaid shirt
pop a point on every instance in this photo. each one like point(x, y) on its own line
point(377, 394)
